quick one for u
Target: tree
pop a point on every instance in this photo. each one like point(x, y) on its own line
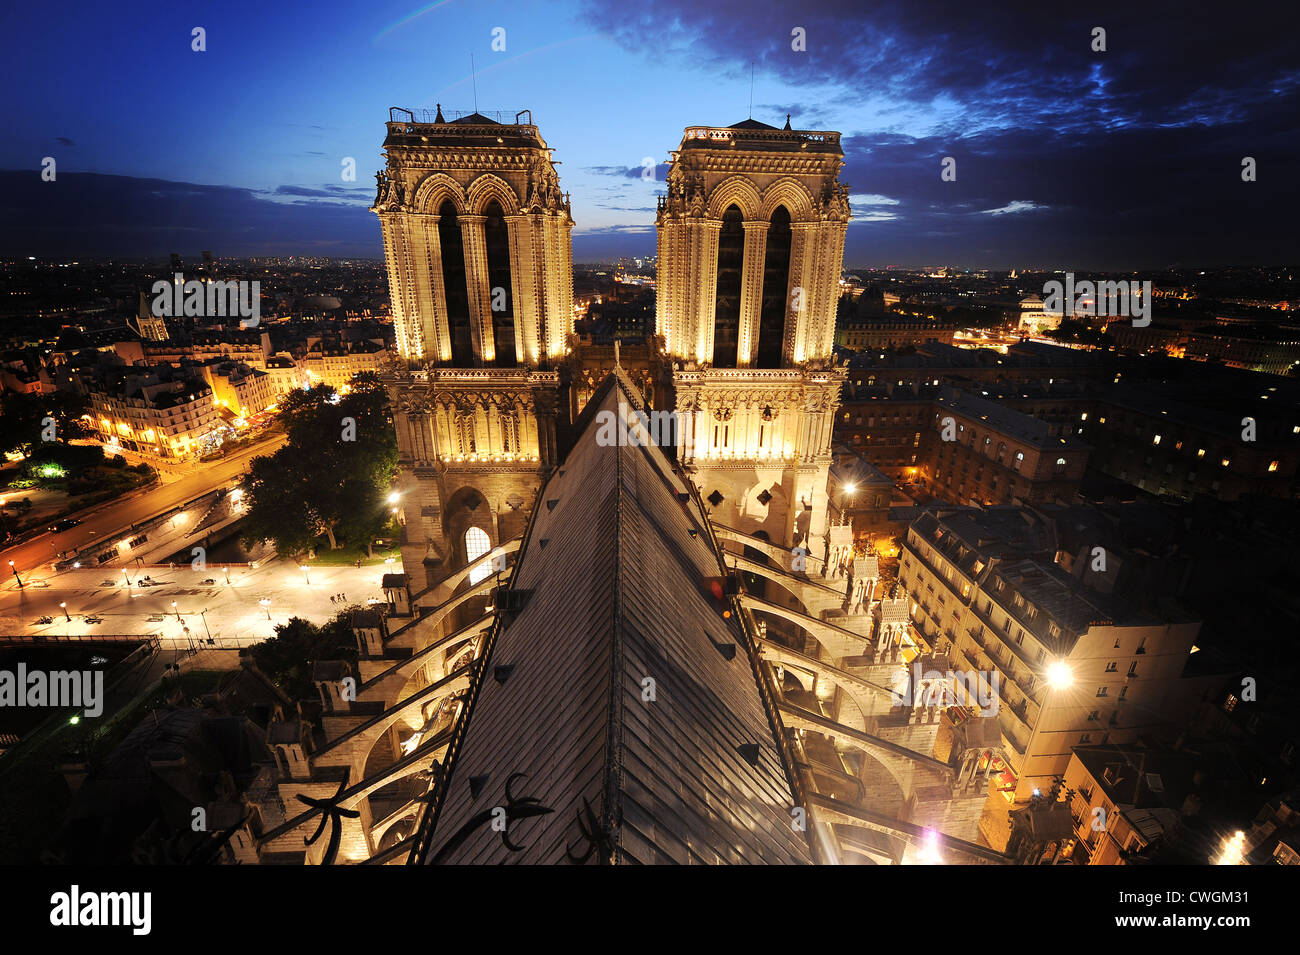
point(25, 420)
point(286, 658)
point(331, 475)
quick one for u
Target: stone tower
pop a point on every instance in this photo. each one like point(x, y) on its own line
point(751, 243)
point(480, 269)
point(150, 326)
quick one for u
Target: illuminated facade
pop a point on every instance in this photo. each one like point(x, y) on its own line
point(153, 415)
point(476, 234)
point(751, 240)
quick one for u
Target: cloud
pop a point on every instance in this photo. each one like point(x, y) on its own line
point(630, 172)
point(93, 215)
point(64, 141)
point(1011, 208)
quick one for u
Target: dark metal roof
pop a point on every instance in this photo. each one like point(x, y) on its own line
point(615, 596)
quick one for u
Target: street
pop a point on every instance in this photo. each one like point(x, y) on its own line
point(38, 553)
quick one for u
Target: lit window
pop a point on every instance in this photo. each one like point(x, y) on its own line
point(1156, 439)
point(1200, 452)
point(1272, 465)
point(477, 543)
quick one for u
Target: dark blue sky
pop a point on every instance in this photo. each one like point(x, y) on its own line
point(1065, 157)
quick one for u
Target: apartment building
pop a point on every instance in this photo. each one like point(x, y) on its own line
point(1125, 800)
point(157, 412)
point(238, 388)
point(334, 363)
point(1071, 666)
point(980, 452)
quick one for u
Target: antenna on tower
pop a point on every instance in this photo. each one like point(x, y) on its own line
point(751, 89)
point(473, 78)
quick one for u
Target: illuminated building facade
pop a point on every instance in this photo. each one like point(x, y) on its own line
point(476, 234)
point(1073, 667)
point(751, 241)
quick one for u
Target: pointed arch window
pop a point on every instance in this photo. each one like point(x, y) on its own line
point(726, 310)
point(776, 286)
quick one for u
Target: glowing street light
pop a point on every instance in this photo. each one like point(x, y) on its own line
point(1059, 675)
point(1233, 847)
point(226, 571)
point(304, 568)
point(127, 576)
point(175, 611)
point(394, 497)
point(64, 607)
point(14, 570)
point(266, 605)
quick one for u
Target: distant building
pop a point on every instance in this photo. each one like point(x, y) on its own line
point(335, 363)
point(155, 412)
point(1034, 318)
point(242, 390)
point(980, 452)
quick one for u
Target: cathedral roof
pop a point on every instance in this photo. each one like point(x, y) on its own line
point(750, 123)
point(619, 697)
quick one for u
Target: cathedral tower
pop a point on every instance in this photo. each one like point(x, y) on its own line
point(751, 243)
point(480, 270)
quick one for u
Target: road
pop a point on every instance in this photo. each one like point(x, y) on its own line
point(232, 613)
point(38, 553)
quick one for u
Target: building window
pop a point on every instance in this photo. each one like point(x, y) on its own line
point(1101, 691)
point(477, 543)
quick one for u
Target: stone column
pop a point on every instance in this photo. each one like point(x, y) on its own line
point(801, 276)
point(751, 291)
point(478, 287)
point(528, 326)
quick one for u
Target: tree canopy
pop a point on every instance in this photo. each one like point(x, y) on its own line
point(331, 476)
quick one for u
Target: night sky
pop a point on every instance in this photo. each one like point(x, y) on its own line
point(1127, 159)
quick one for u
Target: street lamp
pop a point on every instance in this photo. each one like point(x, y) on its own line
point(14, 570)
point(1059, 675)
point(175, 611)
point(127, 576)
point(304, 568)
point(64, 607)
point(266, 605)
point(393, 497)
point(226, 571)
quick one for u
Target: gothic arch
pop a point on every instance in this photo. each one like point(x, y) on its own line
point(738, 191)
point(436, 189)
point(458, 516)
point(488, 187)
point(790, 193)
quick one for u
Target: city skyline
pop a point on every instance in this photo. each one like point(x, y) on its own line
point(240, 147)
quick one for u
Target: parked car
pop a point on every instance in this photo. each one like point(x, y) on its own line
point(42, 621)
point(208, 581)
point(66, 524)
point(92, 619)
